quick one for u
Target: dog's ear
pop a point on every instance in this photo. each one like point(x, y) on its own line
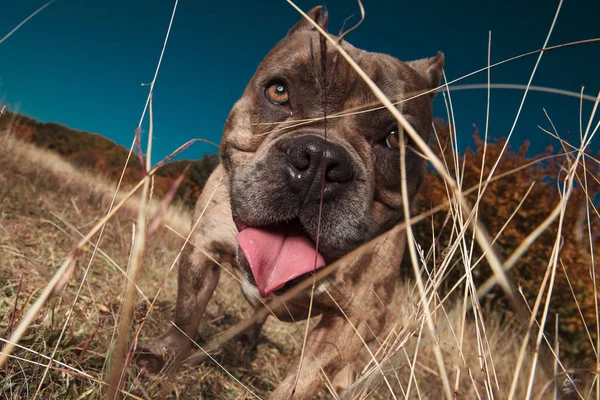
point(430, 69)
point(318, 14)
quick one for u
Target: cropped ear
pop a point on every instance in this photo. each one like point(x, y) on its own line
point(430, 69)
point(317, 14)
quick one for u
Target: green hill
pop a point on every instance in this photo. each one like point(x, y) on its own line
point(96, 152)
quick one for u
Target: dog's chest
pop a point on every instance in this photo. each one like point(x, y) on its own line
point(249, 291)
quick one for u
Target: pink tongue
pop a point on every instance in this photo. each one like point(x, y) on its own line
point(277, 254)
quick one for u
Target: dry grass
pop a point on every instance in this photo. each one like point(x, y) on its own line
point(462, 362)
point(437, 349)
point(45, 206)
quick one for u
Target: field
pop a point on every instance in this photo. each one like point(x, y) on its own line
point(88, 271)
point(46, 205)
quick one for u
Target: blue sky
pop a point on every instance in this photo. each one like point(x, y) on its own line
point(82, 62)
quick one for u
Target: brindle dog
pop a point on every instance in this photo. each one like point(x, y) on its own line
point(290, 178)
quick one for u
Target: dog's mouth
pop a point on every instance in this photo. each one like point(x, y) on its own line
point(277, 253)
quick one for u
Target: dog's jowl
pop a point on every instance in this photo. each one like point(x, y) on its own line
point(290, 177)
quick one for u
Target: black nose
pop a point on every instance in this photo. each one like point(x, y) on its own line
point(305, 165)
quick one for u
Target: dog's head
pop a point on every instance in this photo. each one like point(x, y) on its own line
point(293, 173)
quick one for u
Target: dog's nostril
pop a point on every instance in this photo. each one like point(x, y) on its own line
point(339, 168)
point(299, 157)
point(341, 172)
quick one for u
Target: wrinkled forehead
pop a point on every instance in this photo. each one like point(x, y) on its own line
point(299, 60)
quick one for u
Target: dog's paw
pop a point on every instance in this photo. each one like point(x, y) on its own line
point(157, 356)
point(249, 338)
point(149, 361)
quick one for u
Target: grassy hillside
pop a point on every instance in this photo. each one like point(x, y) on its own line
point(95, 152)
point(47, 204)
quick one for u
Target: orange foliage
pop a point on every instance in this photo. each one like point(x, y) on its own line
point(499, 202)
point(102, 155)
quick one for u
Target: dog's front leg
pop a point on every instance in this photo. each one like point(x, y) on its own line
point(197, 279)
point(334, 343)
point(199, 269)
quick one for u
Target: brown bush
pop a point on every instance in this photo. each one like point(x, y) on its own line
point(499, 202)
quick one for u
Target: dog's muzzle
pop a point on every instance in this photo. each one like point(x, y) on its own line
point(283, 251)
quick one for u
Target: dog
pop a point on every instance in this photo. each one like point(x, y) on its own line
point(290, 178)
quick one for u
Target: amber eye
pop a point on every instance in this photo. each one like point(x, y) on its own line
point(277, 93)
point(393, 138)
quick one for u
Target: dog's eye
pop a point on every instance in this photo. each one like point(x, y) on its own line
point(277, 93)
point(392, 140)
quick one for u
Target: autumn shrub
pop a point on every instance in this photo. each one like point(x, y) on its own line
point(529, 188)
